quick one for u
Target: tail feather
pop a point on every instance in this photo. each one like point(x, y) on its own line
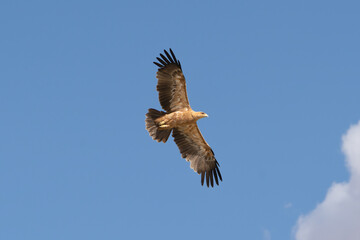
point(154, 131)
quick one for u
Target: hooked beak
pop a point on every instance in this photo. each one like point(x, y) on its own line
point(206, 115)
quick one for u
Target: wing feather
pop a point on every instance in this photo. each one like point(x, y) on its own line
point(164, 58)
point(171, 83)
point(173, 55)
point(158, 64)
point(161, 61)
point(195, 149)
point(169, 57)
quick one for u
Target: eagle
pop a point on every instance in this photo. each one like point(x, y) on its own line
point(180, 119)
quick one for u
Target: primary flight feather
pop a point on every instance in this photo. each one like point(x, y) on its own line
point(181, 120)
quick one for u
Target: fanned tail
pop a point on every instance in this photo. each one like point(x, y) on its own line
point(154, 131)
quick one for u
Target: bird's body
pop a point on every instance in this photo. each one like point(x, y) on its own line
point(180, 119)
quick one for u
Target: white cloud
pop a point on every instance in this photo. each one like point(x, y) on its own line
point(338, 216)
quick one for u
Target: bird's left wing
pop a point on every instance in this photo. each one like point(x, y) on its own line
point(195, 149)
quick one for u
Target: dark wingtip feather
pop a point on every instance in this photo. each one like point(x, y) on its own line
point(158, 64)
point(211, 178)
point(216, 177)
point(202, 178)
point(161, 61)
point(164, 58)
point(207, 179)
point(169, 57)
point(218, 171)
point(173, 55)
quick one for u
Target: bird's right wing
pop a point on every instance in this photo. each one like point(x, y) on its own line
point(171, 83)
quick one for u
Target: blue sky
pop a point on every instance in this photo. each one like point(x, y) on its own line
point(279, 80)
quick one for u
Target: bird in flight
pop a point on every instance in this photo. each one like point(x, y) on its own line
point(180, 119)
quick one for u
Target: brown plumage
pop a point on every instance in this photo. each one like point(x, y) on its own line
point(181, 120)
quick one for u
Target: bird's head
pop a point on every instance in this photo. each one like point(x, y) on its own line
point(200, 115)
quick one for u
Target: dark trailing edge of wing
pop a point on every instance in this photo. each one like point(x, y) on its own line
point(211, 174)
point(166, 60)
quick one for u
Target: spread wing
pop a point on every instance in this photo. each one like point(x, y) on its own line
point(171, 83)
point(195, 149)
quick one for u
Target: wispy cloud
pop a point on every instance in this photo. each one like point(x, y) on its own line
point(338, 216)
point(288, 205)
point(266, 235)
